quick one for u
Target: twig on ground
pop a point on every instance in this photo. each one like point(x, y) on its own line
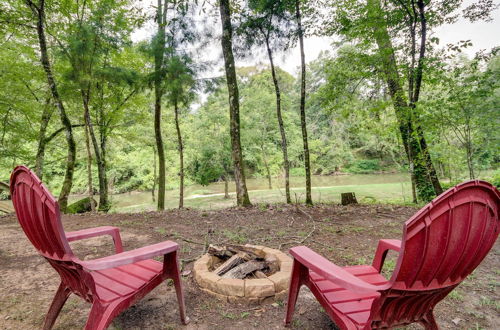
point(308, 235)
point(190, 241)
point(322, 244)
point(304, 212)
point(187, 261)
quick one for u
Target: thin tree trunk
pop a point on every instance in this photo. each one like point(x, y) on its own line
point(226, 186)
point(181, 156)
point(424, 186)
point(242, 197)
point(284, 146)
point(468, 148)
point(416, 95)
point(89, 165)
point(307, 162)
point(413, 186)
point(411, 83)
point(42, 140)
point(266, 165)
point(159, 52)
point(39, 12)
point(154, 174)
point(101, 169)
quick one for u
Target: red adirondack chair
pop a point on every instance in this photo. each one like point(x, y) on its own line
point(110, 284)
point(442, 244)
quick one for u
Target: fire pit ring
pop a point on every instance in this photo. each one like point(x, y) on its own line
point(245, 291)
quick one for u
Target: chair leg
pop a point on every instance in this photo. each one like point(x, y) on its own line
point(429, 322)
point(60, 298)
point(171, 268)
point(100, 316)
point(296, 280)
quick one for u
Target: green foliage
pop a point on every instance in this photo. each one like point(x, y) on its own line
point(351, 122)
point(81, 206)
point(364, 166)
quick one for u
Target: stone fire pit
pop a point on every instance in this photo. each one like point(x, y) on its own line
point(246, 291)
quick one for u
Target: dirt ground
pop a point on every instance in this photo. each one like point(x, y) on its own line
point(345, 235)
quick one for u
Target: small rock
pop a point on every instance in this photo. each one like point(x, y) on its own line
point(456, 321)
point(275, 305)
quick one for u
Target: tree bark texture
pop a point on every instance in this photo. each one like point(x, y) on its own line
point(404, 112)
point(159, 51)
point(284, 146)
point(39, 12)
point(226, 186)
point(89, 167)
point(416, 95)
point(154, 174)
point(307, 162)
point(180, 147)
point(266, 165)
point(98, 152)
point(42, 140)
point(242, 197)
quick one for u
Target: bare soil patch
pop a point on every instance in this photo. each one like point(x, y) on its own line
point(345, 234)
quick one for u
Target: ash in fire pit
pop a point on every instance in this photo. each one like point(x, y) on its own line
point(244, 273)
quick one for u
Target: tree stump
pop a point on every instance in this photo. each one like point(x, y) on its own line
point(348, 198)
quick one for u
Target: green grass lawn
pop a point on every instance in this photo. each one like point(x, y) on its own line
point(396, 193)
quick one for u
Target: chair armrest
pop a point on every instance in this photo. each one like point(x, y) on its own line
point(328, 270)
point(114, 232)
point(384, 245)
point(129, 257)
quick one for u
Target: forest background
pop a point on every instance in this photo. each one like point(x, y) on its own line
point(141, 99)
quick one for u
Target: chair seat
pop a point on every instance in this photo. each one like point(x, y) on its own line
point(347, 303)
point(119, 282)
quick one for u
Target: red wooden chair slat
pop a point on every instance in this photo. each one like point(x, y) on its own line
point(442, 244)
point(111, 284)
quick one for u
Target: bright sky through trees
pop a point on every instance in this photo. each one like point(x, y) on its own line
point(483, 35)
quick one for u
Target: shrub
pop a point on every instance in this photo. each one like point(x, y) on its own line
point(297, 171)
point(364, 166)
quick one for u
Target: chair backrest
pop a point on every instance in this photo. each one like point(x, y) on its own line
point(442, 244)
point(38, 214)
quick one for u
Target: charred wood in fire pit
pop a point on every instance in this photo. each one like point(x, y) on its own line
point(243, 269)
point(228, 264)
point(227, 251)
point(259, 274)
point(220, 252)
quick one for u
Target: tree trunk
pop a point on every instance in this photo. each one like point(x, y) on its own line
point(266, 165)
point(468, 149)
point(39, 12)
point(413, 187)
point(181, 156)
point(42, 140)
point(89, 165)
point(242, 198)
point(159, 52)
point(416, 95)
point(348, 198)
point(284, 146)
point(404, 114)
point(226, 186)
point(154, 174)
point(101, 168)
point(307, 163)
